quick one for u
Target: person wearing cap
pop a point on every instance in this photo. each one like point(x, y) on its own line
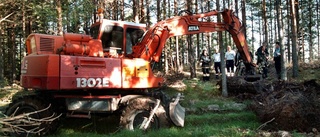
point(205, 60)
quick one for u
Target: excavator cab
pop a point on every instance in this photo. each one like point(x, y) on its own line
point(117, 37)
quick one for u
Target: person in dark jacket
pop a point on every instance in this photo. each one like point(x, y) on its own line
point(263, 56)
point(205, 64)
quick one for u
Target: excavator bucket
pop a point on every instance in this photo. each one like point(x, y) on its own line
point(177, 112)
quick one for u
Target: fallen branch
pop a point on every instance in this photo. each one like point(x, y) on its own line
point(265, 124)
point(23, 123)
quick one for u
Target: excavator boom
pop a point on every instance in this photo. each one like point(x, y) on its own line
point(152, 44)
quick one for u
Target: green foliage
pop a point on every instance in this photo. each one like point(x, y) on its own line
point(76, 14)
point(3, 93)
point(4, 82)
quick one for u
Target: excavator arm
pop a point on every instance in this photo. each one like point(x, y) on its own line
point(152, 43)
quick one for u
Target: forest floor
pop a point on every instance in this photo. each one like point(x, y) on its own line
point(292, 105)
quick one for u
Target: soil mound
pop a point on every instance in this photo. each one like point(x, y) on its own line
point(289, 106)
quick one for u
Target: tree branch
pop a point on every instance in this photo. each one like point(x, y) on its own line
point(6, 17)
point(23, 123)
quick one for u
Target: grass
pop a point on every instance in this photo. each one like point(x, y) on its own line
point(226, 124)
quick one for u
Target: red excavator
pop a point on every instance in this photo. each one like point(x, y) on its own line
point(109, 72)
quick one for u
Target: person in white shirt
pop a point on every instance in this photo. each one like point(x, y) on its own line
point(217, 65)
point(230, 54)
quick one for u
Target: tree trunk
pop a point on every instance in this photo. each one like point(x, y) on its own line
point(300, 32)
point(294, 39)
point(122, 10)
point(273, 27)
point(222, 56)
point(166, 48)
point(244, 21)
point(158, 11)
point(12, 47)
point(59, 19)
point(301, 45)
point(148, 13)
point(318, 30)
point(1, 57)
point(142, 12)
point(202, 6)
point(135, 8)
point(68, 19)
point(236, 7)
point(265, 26)
point(310, 25)
point(252, 31)
point(289, 37)
point(191, 57)
point(198, 39)
point(280, 31)
point(190, 48)
point(177, 59)
point(23, 20)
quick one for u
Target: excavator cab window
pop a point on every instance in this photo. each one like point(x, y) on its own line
point(133, 36)
point(94, 31)
point(112, 37)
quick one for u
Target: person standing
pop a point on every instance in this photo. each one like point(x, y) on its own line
point(217, 64)
point(263, 56)
point(205, 60)
point(230, 55)
point(277, 59)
